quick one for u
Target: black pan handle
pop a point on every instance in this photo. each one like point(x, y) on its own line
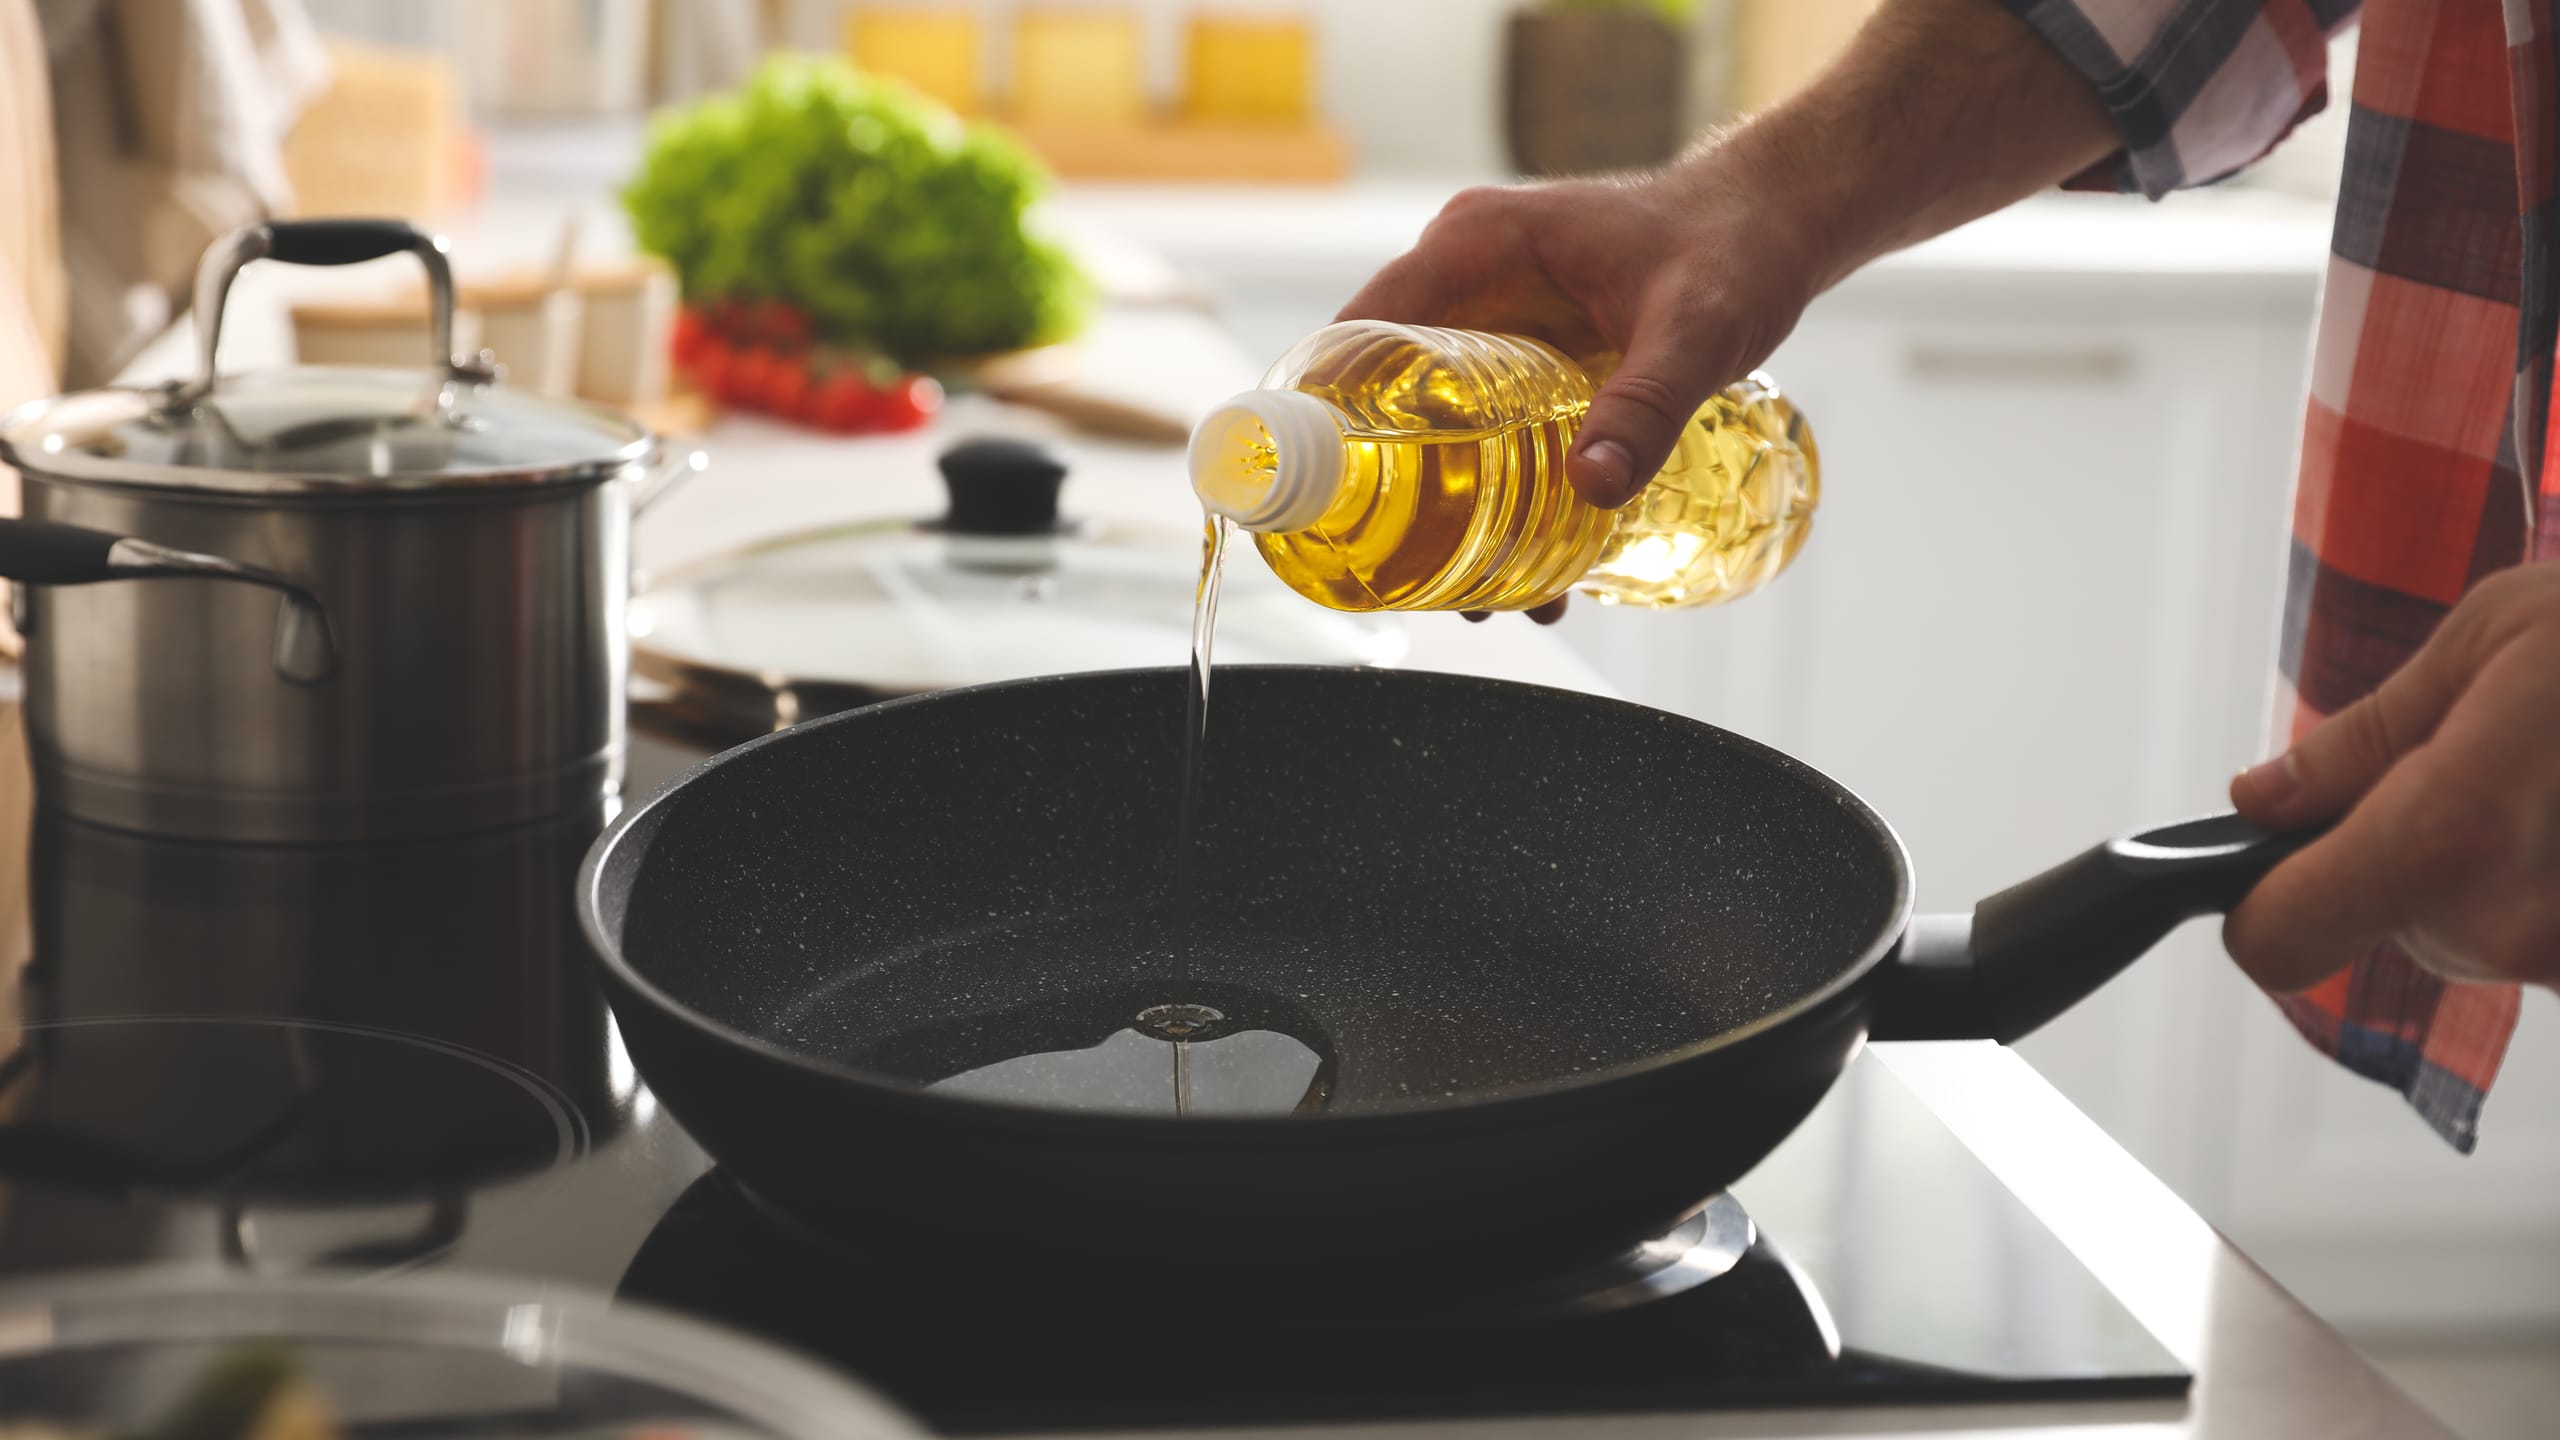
point(46, 552)
point(2040, 947)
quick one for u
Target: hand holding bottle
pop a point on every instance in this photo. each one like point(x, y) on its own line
point(1940, 112)
point(1678, 274)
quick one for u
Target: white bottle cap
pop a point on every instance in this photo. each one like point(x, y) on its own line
point(1270, 460)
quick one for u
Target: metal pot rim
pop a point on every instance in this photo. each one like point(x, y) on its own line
point(40, 420)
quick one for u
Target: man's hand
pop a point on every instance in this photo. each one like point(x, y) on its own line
point(1684, 274)
point(2448, 779)
point(1691, 275)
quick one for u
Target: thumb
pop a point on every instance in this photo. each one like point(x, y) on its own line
point(2342, 757)
point(2342, 894)
point(1636, 418)
point(2356, 886)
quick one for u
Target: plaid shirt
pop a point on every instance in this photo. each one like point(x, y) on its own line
point(2424, 466)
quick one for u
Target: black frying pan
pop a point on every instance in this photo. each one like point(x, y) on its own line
point(1497, 970)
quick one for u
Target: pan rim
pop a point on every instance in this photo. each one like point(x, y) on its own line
point(1102, 1124)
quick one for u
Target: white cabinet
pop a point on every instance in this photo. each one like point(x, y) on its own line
point(2039, 607)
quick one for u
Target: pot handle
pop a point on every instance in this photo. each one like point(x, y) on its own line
point(2039, 947)
point(42, 552)
point(319, 242)
point(676, 464)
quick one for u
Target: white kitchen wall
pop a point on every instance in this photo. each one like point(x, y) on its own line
point(1417, 84)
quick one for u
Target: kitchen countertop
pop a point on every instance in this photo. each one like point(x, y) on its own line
point(2266, 1368)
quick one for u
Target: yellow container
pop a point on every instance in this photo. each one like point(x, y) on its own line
point(1079, 66)
point(932, 47)
point(1249, 69)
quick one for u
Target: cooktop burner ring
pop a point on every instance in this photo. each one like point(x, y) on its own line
point(550, 1130)
point(1701, 1248)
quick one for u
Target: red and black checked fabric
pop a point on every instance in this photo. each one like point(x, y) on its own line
point(2423, 464)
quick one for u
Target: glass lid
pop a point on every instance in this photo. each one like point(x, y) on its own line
point(999, 589)
point(198, 1352)
point(322, 428)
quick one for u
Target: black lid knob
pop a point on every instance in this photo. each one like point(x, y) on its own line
point(1002, 487)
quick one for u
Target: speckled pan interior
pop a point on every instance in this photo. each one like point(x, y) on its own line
point(1465, 887)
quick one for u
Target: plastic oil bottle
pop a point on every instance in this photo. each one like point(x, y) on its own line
point(1397, 467)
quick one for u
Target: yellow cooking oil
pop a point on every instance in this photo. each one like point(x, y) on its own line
point(1403, 467)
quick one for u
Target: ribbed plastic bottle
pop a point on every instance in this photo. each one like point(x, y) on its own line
point(1399, 467)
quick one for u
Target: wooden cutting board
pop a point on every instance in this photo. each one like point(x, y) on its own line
point(1053, 381)
point(1135, 377)
point(1309, 154)
point(1070, 382)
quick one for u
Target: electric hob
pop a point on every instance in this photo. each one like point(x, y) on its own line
point(396, 1058)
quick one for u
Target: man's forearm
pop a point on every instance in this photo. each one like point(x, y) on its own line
point(1939, 112)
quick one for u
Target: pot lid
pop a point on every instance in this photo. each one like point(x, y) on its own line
point(324, 429)
point(179, 1350)
point(998, 589)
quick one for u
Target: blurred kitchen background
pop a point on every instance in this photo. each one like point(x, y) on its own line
point(2038, 609)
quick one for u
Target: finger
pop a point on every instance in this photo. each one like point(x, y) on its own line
point(2406, 845)
point(1552, 611)
point(1475, 617)
point(1637, 417)
point(2343, 756)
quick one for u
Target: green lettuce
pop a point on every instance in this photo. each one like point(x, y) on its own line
point(865, 204)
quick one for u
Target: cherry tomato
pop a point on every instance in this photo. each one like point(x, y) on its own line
point(910, 402)
point(843, 404)
point(728, 318)
point(787, 387)
point(712, 362)
point(751, 378)
point(687, 337)
point(813, 401)
point(782, 324)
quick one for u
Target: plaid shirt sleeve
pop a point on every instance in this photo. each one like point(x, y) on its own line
point(2199, 89)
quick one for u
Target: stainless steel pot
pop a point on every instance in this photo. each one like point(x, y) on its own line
point(383, 603)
